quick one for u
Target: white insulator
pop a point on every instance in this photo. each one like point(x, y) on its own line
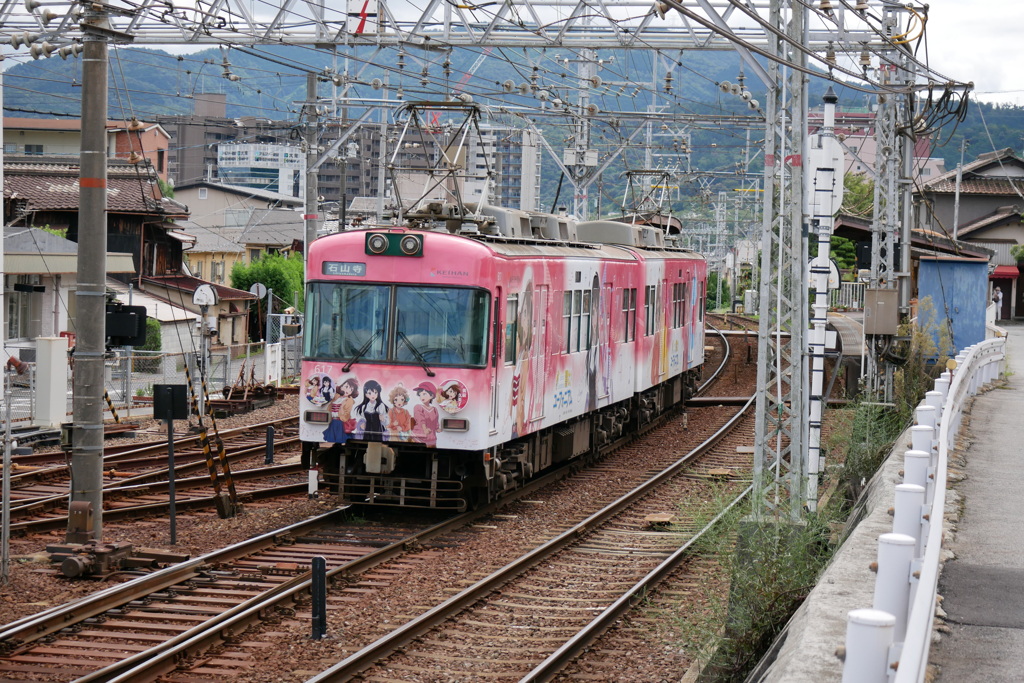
point(43, 49)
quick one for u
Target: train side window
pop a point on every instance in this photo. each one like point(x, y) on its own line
point(701, 303)
point(650, 301)
point(678, 304)
point(629, 313)
point(567, 320)
point(585, 319)
point(511, 327)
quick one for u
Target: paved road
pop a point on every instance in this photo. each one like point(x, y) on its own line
point(983, 587)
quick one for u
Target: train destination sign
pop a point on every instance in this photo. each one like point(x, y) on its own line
point(344, 268)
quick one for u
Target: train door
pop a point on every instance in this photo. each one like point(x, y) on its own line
point(499, 348)
point(540, 352)
point(605, 335)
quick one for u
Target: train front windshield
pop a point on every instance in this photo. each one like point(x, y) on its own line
point(396, 324)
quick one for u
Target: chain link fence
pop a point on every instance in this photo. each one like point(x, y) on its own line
point(131, 374)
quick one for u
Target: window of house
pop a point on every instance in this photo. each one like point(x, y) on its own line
point(197, 269)
point(19, 306)
point(629, 314)
point(160, 160)
point(254, 254)
point(34, 149)
point(203, 193)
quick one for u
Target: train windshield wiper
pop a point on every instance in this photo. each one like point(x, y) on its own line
point(362, 350)
point(416, 352)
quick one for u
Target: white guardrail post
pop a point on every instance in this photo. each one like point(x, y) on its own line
point(868, 641)
point(892, 584)
point(891, 641)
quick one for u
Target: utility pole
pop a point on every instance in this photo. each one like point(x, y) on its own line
point(956, 201)
point(312, 207)
point(90, 346)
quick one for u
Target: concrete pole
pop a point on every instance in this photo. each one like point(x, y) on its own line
point(956, 194)
point(312, 175)
point(87, 436)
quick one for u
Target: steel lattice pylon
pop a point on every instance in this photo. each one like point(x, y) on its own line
point(780, 456)
point(890, 224)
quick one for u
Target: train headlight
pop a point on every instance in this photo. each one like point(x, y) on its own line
point(376, 243)
point(411, 245)
point(394, 244)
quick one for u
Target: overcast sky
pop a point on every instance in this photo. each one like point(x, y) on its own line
point(977, 40)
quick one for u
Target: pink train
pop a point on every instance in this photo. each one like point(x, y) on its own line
point(443, 369)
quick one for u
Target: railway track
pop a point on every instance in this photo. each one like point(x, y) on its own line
point(39, 497)
point(148, 627)
point(87, 646)
point(187, 448)
point(566, 592)
point(154, 620)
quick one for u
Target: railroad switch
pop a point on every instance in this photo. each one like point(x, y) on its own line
point(100, 560)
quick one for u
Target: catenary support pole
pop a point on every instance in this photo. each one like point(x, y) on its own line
point(90, 297)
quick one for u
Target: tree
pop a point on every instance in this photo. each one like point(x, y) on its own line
point(154, 342)
point(284, 276)
point(859, 196)
point(844, 253)
point(715, 298)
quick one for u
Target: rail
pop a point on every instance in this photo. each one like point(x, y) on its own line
point(418, 626)
point(895, 633)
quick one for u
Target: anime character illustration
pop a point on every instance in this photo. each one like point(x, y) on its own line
point(313, 391)
point(453, 396)
point(372, 414)
point(342, 423)
point(521, 389)
point(326, 390)
point(426, 420)
point(400, 420)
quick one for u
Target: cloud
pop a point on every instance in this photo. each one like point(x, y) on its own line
point(976, 41)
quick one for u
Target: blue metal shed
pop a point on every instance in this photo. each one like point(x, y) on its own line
point(957, 290)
